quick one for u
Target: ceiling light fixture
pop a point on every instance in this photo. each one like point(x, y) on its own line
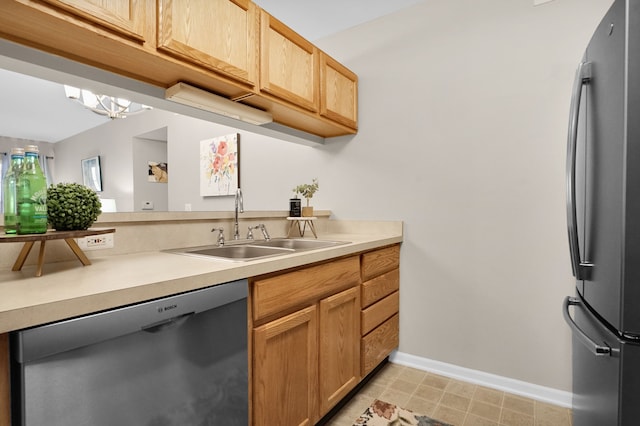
point(188, 95)
point(110, 106)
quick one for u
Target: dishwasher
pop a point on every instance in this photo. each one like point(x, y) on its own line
point(180, 360)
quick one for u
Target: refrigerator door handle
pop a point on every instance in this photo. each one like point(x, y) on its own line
point(581, 270)
point(596, 349)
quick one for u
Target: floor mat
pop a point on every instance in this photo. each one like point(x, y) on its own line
point(381, 413)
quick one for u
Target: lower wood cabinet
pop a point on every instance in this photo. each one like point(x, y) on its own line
point(305, 361)
point(285, 370)
point(339, 351)
point(380, 306)
point(317, 331)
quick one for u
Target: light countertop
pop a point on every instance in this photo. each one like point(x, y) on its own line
point(67, 289)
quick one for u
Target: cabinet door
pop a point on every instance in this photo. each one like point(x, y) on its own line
point(125, 17)
point(285, 370)
point(289, 64)
point(338, 92)
point(220, 35)
point(339, 351)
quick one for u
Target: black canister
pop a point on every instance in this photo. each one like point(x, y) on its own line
point(295, 207)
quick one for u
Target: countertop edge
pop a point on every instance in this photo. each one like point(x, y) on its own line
point(27, 301)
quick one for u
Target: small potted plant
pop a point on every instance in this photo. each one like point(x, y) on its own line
point(307, 190)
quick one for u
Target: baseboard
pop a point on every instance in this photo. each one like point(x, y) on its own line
point(517, 387)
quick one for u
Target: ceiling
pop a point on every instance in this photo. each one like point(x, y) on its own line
point(315, 19)
point(36, 109)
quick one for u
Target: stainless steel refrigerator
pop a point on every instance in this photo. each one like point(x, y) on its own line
point(603, 215)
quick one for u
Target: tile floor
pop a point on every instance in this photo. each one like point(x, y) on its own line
point(452, 401)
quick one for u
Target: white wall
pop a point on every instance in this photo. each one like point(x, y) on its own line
point(463, 114)
point(111, 141)
point(269, 168)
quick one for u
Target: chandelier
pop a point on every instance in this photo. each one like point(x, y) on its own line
point(110, 106)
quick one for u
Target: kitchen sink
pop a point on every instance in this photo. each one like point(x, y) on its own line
point(233, 252)
point(298, 244)
point(252, 250)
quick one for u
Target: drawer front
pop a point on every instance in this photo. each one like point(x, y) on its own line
point(380, 261)
point(377, 313)
point(283, 292)
point(376, 345)
point(379, 287)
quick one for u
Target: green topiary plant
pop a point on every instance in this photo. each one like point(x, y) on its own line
point(71, 206)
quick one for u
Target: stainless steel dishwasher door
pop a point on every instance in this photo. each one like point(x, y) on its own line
point(180, 360)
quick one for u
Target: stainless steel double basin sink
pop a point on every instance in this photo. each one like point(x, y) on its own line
point(252, 250)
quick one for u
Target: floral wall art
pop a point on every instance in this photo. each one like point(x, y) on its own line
point(219, 174)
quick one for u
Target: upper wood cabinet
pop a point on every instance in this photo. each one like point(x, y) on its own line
point(126, 17)
point(289, 64)
point(338, 92)
point(231, 48)
point(220, 35)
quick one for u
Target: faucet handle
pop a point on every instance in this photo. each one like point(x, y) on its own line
point(263, 228)
point(220, 235)
point(250, 231)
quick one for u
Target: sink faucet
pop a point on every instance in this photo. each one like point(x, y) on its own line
point(220, 235)
point(239, 206)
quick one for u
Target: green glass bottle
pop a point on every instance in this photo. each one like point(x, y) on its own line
point(32, 195)
point(10, 204)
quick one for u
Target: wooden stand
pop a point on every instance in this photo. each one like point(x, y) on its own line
point(67, 236)
point(302, 223)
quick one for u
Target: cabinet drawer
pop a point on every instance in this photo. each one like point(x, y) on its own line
point(376, 345)
point(282, 292)
point(377, 313)
point(380, 261)
point(379, 287)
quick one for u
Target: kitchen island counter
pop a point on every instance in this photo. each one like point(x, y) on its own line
point(67, 290)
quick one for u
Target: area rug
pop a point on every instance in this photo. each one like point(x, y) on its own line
point(381, 413)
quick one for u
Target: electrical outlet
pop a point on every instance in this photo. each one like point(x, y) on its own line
point(96, 242)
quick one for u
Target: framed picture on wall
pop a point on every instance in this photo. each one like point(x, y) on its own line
point(158, 172)
point(219, 160)
point(91, 174)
